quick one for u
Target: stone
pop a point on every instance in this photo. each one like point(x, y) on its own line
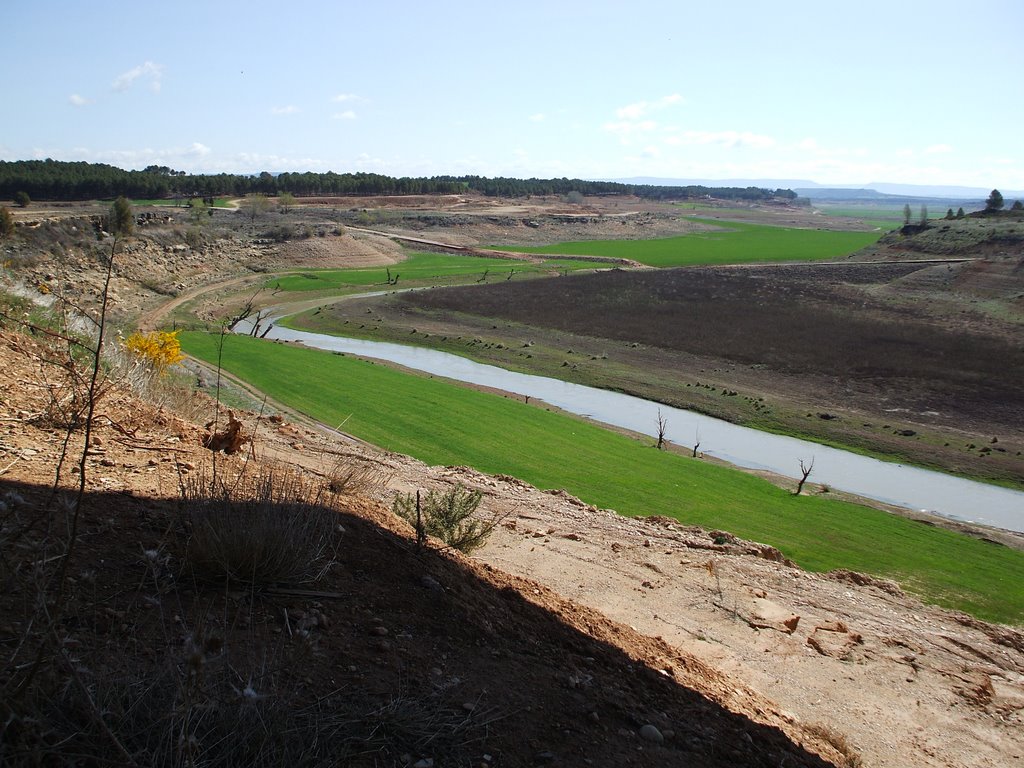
point(652, 734)
point(429, 582)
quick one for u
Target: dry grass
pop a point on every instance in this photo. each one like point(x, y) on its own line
point(268, 526)
point(851, 758)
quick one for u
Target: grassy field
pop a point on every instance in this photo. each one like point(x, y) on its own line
point(421, 269)
point(442, 423)
point(736, 243)
point(220, 202)
point(882, 215)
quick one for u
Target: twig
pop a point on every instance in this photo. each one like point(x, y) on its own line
point(45, 331)
point(93, 711)
point(141, 447)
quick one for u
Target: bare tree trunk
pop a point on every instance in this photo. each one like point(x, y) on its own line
point(662, 424)
point(806, 471)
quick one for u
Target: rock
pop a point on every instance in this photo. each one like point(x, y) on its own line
point(652, 734)
point(543, 758)
point(426, 762)
point(768, 615)
point(834, 639)
point(429, 582)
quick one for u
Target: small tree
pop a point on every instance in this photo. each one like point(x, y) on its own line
point(21, 199)
point(995, 201)
point(286, 200)
point(949, 214)
point(6, 222)
point(1017, 206)
point(960, 212)
point(254, 205)
point(197, 211)
point(447, 516)
point(906, 214)
point(805, 472)
point(121, 219)
point(924, 216)
point(662, 426)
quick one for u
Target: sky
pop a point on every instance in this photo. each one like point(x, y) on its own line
point(835, 93)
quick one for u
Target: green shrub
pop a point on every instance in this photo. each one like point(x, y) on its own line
point(447, 516)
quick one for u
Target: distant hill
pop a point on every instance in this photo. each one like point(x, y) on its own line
point(814, 190)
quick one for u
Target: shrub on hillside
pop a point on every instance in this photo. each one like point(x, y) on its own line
point(447, 516)
point(271, 527)
point(158, 349)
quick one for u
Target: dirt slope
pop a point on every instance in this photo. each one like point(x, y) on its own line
point(407, 657)
point(578, 626)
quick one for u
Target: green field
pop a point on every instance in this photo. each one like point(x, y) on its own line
point(883, 215)
point(421, 269)
point(219, 202)
point(736, 243)
point(442, 423)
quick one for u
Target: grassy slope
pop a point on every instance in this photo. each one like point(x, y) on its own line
point(442, 423)
point(740, 243)
point(419, 268)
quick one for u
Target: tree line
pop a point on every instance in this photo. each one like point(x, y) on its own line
point(62, 180)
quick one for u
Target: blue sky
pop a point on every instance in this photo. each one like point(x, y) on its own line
point(904, 92)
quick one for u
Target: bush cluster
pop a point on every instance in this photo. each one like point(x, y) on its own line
point(159, 349)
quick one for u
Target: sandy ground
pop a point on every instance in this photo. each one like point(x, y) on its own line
point(907, 684)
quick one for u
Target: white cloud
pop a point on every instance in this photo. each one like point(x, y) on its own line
point(342, 97)
point(149, 70)
point(291, 109)
point(938, 149)
point(727, 139)
point(626, 128)
point(537, 118)
point(641, 108)
point(348, 114)
point(78, 101)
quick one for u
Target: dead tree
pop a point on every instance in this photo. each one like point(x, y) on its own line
point(662, 424)
point(696, 445)
point(805, 471)
point(245, 312)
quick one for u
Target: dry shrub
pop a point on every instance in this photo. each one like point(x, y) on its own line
point(355, 478)
point(202, 702)
point(851, 758)
point(270, 526)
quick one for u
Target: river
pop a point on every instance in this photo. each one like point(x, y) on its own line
point(898, 484)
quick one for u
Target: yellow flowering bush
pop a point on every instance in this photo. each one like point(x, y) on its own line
point(158, 348)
